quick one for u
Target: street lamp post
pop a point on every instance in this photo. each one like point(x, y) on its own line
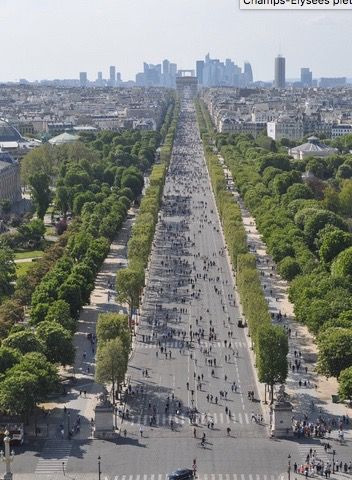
point(68, 425)
point(333, 461)
point(289, 467)
point(7, 457)
point(99, 470)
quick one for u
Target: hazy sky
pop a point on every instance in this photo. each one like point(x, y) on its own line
point(58, 38)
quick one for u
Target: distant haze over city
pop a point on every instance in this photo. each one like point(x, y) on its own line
point(57, 39)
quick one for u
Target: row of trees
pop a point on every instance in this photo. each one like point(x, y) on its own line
point(307, 233)
point(96, 180)
point(130, 281)
point(270, 342)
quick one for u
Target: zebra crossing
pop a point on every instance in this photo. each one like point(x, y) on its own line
point(241, 418)
point(320, 453)
point(54, 457)
point(205, 476)
point(180, 344)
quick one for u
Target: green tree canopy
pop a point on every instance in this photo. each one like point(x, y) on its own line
point(111, 363)
point(345, 384)
point(335, 351)
point(58, 345)
point(40, 192)
point(272, 350)
point(25, 341)
point(7, 270)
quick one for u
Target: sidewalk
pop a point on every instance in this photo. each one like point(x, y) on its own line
point(300, 340)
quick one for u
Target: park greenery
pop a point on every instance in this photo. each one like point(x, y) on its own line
point(95, 181)
point(270, 343)
point(305, 221)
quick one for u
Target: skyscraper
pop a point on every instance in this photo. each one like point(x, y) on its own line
point(248, 74)
point(306, 77)
point(280, 72)
point(83, 79)
point(199, 70)
point(112, 80)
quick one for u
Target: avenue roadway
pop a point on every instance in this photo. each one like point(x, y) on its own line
point(190, 290)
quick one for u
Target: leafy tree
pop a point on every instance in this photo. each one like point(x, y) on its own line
point(71, 293)
point(335, 351)
point(38, 161)
point(25, 341)
point(7, 270)
point(272, 350)
point(111, 364)
point(333, 243)
point(331, 199)
point(342, 266)
point(40, 192)
point(298, 190)
point(62, 199)
point(344, 171)
point(113, 325)
point(59, 311)
point(318, 220)
point(129, 283)
point(17, 395)
point(11, 311)
point(27, 383)
point(345, 197)
point(345, 384)
point(289, 268)
point(58, 346)
point(8, 358)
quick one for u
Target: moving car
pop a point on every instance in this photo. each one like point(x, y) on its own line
point(181, 474)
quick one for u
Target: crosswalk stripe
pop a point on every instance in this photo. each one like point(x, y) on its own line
point(123, 477)
point(138, 477)
point(215, 417)
point(145, 476)
point(221, 418)
point(235, 476)
point(152, 477)
point(250, 477)
point(130, 477)
point(242, 476)
point(257, 477)
point(220, 476)
point(246, 417)
point(240, 418)
point(160, 476)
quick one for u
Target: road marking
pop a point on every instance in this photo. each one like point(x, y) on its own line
point(240, 418)
point(247, 419)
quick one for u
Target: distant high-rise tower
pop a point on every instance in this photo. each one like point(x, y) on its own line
point(112, 80)
point(306, 77)
point(199, 71)
point(83, 79)
point(248, 73)
point(280, 72)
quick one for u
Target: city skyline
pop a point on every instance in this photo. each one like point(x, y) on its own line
point(127, 33)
